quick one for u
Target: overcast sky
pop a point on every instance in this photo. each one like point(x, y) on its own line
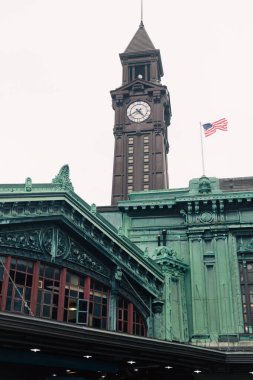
point(59, 60)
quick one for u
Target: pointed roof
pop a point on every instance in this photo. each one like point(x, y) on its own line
point(140, 41)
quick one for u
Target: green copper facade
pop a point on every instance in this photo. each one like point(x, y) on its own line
point(200, 237)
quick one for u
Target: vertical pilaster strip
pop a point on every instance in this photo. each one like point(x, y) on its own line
point(211, 298)
point(176, 309)
point(167, 308)
point(35, 284)
point(60, 311)
point(130, 312)
point(112, 315)
point(235, 284)
point(158, 320)
point(7, 265)
point(226, 316)
point(86, 294)
point(185, 332)
point(198, 287)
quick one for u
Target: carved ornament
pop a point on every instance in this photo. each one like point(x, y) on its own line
point(62, 179)
point(206, 217)
point(21, 239)
point(204, 185)
point(169, 261)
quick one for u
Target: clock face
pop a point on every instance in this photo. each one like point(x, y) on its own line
point(138, 111)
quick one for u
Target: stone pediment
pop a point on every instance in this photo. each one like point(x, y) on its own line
point(139, 85)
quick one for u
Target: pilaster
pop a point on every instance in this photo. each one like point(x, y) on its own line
point(226, 315)
point(158, 326)
point(198, 288)
point(175, 315)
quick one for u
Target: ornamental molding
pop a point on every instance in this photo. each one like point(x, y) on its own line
point(206, 217)
point(51, 244)
point(61, 179)
point(172, 199)
point(148, 274)
point(207, 234)
point(169, 261)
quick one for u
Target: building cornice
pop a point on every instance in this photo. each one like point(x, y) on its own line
point(46, 202)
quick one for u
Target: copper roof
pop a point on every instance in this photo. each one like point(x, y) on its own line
point(140, 41)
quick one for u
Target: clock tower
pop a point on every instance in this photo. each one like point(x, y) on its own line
point(142, 115)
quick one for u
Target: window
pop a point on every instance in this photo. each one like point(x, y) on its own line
point(246, 279)
point(146, 168)
point(146, 187)
point(130, 169)
point(130, 140)
point(146, 149)
point(146, 158)
point(139, 69)
point(130, 149)
point(146, 177)
point(146, 139)
point(129, 188)
point(48, 293)
point(122, 315)
point(138, 324)
point(98, 307)
point(130, 159)
point(129, 319)
point(82, 312)
point(74, 292)
point(21, 274)
point(130, 179)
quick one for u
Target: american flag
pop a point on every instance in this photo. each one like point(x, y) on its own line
point(210, 128)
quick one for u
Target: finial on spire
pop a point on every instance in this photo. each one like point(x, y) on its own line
point(141, 24)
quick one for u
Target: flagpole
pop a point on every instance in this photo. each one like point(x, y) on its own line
point(202, 149)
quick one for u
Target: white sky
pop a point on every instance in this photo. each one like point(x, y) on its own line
point(59, 60)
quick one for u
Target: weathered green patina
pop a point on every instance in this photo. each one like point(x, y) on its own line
point(210, 228)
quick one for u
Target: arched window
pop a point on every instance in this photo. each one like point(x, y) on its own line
point(47, 291)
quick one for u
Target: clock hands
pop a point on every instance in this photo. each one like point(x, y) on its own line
point(138, 110)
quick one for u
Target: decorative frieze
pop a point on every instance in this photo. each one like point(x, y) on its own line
point(28, 240)
point(53, 242)
point(88, 231)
